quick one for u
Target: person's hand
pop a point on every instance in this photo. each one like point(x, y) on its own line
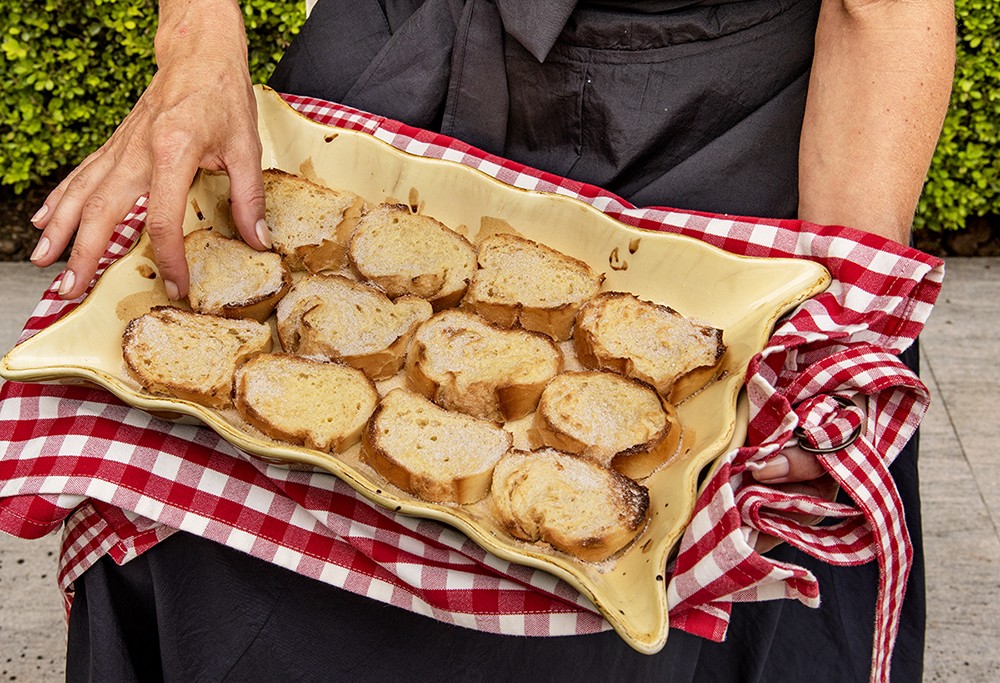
point(794, 471)
point(198, 112)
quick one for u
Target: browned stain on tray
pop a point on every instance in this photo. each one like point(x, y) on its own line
point(307, 169)
point(414, 200)
point(197, 210)
point(223, 217)
point(134, 305)
point(615, 261)
point(491, 225)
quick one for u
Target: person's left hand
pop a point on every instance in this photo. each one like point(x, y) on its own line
point(794, 470)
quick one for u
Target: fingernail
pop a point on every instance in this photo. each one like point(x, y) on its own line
point(41, 249)
point(40, 214)
point(263, 233)
point(172, 292)
point(776, 468)
point(68, 280)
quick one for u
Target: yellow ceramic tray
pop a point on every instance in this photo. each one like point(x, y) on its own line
point(743, 296)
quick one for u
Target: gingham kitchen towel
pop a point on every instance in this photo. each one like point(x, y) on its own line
point(122, 480)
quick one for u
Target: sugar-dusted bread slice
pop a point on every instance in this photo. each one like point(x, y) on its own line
point(310, 224)
point(334, 317)
point(408, 253)
point(618, 331)
point(231, 279)
point(188, 355)
point(464, 363)
point(572, 503)
point(437, 455)
point(522, 283)
point(619, 422)
point(311, 403)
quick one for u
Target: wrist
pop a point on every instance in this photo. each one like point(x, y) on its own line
point(212, 27)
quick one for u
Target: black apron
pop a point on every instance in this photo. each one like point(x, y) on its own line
point(673, 103)
point(697, 107)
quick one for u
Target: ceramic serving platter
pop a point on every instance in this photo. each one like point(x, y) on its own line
point(743, 296)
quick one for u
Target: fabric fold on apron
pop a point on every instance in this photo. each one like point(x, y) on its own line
point(638, 98)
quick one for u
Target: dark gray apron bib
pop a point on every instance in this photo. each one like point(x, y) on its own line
point(647, 104)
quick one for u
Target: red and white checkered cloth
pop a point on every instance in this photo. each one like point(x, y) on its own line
point(122, 481)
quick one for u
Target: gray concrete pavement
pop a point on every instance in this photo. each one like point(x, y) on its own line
point(32, 618)
point(959, 468)
point(960, 472)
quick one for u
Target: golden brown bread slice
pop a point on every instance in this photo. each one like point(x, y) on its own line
point(522, 283)
point(618, 331)
point(572, 503)
point(407, 253)
point(188, 355)
point(435, 454)
point(464, 363)
point(334, 317)
point(213, 260)
point(311, 403)
point(310, 224)
point(620, 422)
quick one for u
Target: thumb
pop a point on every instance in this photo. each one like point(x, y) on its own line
point(791, 464)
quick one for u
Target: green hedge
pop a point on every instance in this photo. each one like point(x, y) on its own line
point(71, 70)
point(964, 179)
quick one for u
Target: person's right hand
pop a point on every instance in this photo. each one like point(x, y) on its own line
point(199, 111)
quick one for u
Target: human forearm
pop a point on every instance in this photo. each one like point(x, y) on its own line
point(878, 92)
point(205, 26)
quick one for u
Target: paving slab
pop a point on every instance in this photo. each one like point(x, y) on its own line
point(961, 475)
point(32, 617)
point(22, 285)
point(962, 554)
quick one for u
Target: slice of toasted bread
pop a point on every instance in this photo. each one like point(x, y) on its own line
point(188, 355)
point(619, 422)
point(310, 224)
point(311, 403)
point(212, 261)
point(435, 454)
point(572, 503)
point(522, 283)
point(464, 363)
point(618, 331)
point(407, 253)
point(334, 317)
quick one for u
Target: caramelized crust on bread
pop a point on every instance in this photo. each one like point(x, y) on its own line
point(437, 455)
point(232, 279)
point(334, 317)
point(521, 283)
point(311, 403)
point(310, 224)
point(465, 363)
point(619, 422)
point(622, 333)
point(572, 503)
point(407, 253)
point(188, 355)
